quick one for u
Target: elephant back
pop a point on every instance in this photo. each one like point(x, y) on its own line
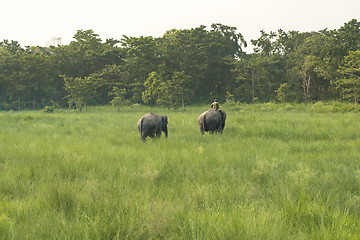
point(151, 120)
point(210, 121)
point(152, 124)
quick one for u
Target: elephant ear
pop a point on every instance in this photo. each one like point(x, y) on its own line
point(164, 120)
point(223, 114)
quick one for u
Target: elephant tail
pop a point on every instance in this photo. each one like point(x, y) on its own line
point(202, 124)
point(140, 126)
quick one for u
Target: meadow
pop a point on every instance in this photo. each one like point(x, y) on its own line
point(277, 172)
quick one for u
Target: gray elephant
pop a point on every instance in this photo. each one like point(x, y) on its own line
point(151, 124)
point(212, 121)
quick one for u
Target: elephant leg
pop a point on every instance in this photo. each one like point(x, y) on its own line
point(201, 128)
point(142, 136)
point(158, 133)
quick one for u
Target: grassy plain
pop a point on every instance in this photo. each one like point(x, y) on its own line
point(277, 172)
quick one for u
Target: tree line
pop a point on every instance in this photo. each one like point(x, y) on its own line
point(183, 67)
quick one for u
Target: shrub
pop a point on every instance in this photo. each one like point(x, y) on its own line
point(334, 106)
point(48, 109)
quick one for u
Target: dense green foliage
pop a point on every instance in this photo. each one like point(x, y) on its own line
point(182, 67)
point(278, 171)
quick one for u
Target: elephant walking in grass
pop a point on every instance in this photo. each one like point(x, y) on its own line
point(212, 121)
point(151, 124)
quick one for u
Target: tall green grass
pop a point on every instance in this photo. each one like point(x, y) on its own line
point(277, 172)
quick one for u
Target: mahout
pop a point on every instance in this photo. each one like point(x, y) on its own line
point(212, 121)
point(152, 124)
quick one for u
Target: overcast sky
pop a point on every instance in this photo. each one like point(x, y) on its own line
point(36, 22)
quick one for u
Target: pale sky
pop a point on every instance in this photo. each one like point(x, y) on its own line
point(36, 22)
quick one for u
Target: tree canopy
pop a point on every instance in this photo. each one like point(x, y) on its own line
point(183, 67)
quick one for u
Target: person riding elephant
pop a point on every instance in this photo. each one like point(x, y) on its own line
point(215, 105)
point(212, 121)
point(152, 124)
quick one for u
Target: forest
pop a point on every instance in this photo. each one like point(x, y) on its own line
point(183, 67)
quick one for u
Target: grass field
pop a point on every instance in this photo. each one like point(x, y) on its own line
point(277, 172)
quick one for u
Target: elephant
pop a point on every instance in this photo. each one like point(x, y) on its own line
point(151, 124)
point(212, 121)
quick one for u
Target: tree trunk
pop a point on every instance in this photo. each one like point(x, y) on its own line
point(355, 99)
point(307, 88)
point(34, 103)
point(253, 84)
point(3, 95)
point(270, 90)
point(305, 84)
